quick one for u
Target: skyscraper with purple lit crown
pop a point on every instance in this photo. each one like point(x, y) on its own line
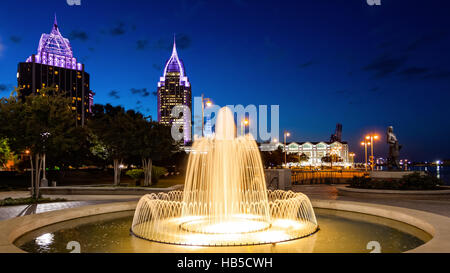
point(174, 89)
point(55, 66)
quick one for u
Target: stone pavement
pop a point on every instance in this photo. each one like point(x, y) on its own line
point(73, 202)
point(329, 192)
point(326, 192)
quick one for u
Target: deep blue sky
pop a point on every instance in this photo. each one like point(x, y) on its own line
point(322, 61)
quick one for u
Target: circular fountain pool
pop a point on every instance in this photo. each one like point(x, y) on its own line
point(339, 232)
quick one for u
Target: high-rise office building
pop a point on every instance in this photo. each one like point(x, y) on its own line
point(174, 89)
point(55, 66)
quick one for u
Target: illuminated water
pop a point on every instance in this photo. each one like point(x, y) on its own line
point(339, 232)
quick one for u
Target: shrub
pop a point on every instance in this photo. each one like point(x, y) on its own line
point(414, 181)
point(136, 174)
point(157, 172)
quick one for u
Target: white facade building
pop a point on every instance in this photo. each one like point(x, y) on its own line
point(317, 150)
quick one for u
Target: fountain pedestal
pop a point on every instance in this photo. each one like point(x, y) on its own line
point(278, 179)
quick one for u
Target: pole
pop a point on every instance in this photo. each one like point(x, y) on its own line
point(203, 115)
point(365, 148)
point(43, 178)
point(372, 158)
point(285, 151)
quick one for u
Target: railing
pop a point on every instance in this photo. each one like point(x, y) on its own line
point(325, 176)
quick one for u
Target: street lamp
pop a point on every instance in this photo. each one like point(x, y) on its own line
point(244, 123)
point(352, 158)
point(44, 137)
point(208, 103)
point(372, 137)
point(286, 134)
point(365, 143)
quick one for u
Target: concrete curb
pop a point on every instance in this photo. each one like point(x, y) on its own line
point(346, 191)
point(105, 190)
point(436, 225)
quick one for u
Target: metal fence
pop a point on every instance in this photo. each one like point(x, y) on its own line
point(325, 176)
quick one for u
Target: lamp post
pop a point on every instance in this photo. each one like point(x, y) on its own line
point(372, 137)
point(244, 123)
point(28, 153)
point(352, 159)
point(45, 137)
point(208, 104)
point(365, 144)
point(286, 134)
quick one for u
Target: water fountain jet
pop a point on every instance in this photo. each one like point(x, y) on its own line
point(225, 200)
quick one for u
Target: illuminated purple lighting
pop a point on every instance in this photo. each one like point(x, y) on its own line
point(55, 50)
point(174, 65)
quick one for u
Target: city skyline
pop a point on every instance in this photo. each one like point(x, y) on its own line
point(318, 75)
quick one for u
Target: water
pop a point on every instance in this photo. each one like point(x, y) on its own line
point(225, 199)
point(441, 172)
point(340, 232)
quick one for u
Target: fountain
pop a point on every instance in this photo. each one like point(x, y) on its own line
point(225, 201)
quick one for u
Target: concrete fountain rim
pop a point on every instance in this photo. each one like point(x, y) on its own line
point(437, 226)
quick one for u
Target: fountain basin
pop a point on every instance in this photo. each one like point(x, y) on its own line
point(166, 218)
point(11, 230)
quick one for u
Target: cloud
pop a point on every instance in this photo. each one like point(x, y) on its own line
point(142, 92)
point(118, 29)
point(438, 75)
point(15, 39)
point(78, 35)
point(374, 89)
point(274, 51)
point(304, 65)
point(427, 39)
point(2, 48)
point(114, 94)
point(3, 87)
point(385, 65)
point(183, 42)
point(141, 44)
point(413, 71)
point(157, 67)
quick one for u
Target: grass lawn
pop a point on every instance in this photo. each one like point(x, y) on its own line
point(28, 201)
point(170, 181)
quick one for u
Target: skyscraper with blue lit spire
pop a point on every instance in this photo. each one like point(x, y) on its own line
point(54, 65)
point(174, 89)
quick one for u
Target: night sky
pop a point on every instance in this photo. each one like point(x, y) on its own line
point(323, 62)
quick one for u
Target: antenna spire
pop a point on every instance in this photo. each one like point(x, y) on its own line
point(174, 51)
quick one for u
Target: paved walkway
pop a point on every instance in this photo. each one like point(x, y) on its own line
point(329, 192)
point(73, 202)
point(326, 192)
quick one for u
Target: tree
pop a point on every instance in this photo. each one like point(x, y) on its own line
point(113, 129)
point(5, 152)
point(150, 141)
point(331, 158)
point(303, 158)
point(42, 124)
point(272, 158)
